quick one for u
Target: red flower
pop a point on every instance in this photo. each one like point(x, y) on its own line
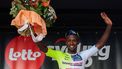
point(46, 3)
point(34, 3)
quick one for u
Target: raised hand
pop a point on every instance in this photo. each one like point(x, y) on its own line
point(106, 19)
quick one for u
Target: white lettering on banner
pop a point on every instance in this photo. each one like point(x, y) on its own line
point(89, 62)
point(102, 54)
point(25, 55)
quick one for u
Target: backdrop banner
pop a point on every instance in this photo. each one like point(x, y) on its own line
point(17, 52)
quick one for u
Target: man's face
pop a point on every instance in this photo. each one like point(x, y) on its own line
point(71, 42)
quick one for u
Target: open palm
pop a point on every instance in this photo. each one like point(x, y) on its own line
point(106, 18)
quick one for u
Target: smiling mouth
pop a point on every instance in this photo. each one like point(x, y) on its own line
point(71, 46)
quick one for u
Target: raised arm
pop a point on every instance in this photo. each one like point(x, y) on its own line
point(37, 40)
point(105, 35)
point(42, 47)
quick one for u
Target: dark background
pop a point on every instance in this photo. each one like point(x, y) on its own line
point(82, 15)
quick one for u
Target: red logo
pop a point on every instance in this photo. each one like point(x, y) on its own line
point(22, 53)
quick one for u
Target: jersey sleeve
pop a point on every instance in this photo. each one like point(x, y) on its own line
point(52, 53)
point(88, 53)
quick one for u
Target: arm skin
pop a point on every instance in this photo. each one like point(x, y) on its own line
point(42, 47)
point(105, 35)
